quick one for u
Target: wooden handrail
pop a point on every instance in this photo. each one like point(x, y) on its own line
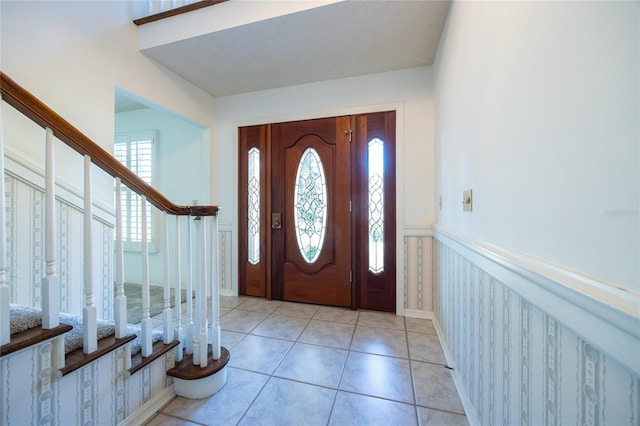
point(41, 114)
point(176, 11)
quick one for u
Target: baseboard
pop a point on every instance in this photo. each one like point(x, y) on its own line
point(227, 293)
point(150, 408)
point(469, 410)
point(415, 313)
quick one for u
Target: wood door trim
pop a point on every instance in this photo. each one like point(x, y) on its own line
point(268, 207)
point(359, 129)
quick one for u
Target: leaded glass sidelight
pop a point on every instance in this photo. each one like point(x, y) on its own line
point(375, 164)
point(310, 205)
point(253, 213)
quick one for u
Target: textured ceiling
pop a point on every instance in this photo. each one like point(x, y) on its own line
point(338, 40)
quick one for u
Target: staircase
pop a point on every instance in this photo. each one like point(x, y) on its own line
point(64, 383)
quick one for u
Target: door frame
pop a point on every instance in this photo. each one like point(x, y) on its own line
point(398, 107)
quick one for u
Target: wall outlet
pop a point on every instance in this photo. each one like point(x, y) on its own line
point(440, 202)
point(467, 200)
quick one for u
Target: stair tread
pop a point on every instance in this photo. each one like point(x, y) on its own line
point(186, 370)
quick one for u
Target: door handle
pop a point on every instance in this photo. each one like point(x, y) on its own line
point(276, 220)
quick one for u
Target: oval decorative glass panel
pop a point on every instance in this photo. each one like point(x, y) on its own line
point(310, 205)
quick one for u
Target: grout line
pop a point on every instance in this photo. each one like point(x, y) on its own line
point(348, 353)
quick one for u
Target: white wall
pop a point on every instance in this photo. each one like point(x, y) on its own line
point(181, 174)
point(409, 91)
point(537, 111)
point(72, 55)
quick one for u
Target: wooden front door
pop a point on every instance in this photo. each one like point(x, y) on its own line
point(311, 218)
point(317, 211)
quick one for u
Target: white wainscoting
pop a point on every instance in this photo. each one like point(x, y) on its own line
point(225, 234)
point(526, 347)
point(24, 185)
point(101, 393)
point(416, 271)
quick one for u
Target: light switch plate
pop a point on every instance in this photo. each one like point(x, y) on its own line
point(467, 200)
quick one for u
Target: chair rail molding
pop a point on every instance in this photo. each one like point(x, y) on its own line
point(601, 313)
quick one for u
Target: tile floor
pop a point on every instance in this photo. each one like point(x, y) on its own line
point(298, 364)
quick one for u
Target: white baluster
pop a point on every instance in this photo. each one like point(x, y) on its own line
point(146, 328)
point(50, 292)
point(89, 338)
point(197, 320)
point(5, 291)
point(121, 299)
point(202, 284)
point(178, 333)
point(166, 312)
point(154, 7)
point(50, 282)
point(189, 326)
point(215, 290)
point(200, 342)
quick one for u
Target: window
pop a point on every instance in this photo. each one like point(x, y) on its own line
point(136, 151)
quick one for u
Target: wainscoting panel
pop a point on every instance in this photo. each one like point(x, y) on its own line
point(225, 251)
point(514, 362)
point(25, 254)
point(97, 394)
point(417, 276)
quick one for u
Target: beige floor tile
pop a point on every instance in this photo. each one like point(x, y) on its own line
point(381, 320)
point(380, 341)
point(231, 302)
point(333, 334)
point(295, 363)
point(241, 321)
point(299, 310)
point(259, 354)
point(230, 338)
point(429, 417)
point(341, 315)
point(378, 376)
point(281, 327)
point(352, 409)
point(227, 406)
point(164, 420)
point(425, 347)
point(434, 387)
point(316, 365)
point(257, 304)
point(420, 325)
point(284, 402)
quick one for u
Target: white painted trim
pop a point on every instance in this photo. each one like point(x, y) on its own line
point(150, 408)
point(467, 405)
point(24, 170)
point(398, 107)
point(228, 293)
point(417, 230)
point(604, 314)
point(416, 313)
